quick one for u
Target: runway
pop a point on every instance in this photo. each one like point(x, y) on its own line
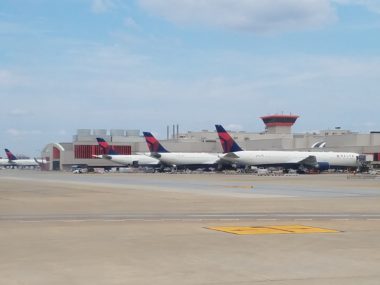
point(189, 217)
point(60, 228)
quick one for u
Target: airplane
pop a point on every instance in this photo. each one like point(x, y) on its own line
point(14, 161)
point(4, 162)
point(183, 160)
point(287, 159)
point(131, 159)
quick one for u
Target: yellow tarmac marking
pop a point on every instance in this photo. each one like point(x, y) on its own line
point(235, 186)
point(259, 230)
point(240, 186)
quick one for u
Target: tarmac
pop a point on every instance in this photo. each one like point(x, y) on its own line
point(127, 228)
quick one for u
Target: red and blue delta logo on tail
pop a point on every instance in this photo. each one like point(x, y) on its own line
point(228, 143)
point(102, 143)
point(106, 147)
point(10, 155)
point(153, 144)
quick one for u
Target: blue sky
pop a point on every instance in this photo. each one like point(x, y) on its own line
point(145, 64)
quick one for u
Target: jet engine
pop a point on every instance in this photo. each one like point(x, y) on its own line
point(323, 166)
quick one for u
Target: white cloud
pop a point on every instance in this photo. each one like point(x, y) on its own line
point(130, 23)
point(108, 62)
point(18, 132)
point(19, 112)
point(372, 5)
point(234, 127)
point(7, 78)
point(62, 132)
point(247, 15)
point(7, 28)
point(101, 6)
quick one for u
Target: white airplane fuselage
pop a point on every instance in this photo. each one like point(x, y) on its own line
point(189, 158)
point(24, 162)
point(272, 158)
point(132, 159)
point(5, 162)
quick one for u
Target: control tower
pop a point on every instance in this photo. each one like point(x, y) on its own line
point(279, 124)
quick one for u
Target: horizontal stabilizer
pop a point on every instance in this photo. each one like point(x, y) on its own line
point(97, 156)
point(40, 161)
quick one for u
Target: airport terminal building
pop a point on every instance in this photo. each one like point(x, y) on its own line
point(277, 135)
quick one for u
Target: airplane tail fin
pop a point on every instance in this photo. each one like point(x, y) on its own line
point(10, 155)
point(228, 143)
point(153, 144)
point(106, 147)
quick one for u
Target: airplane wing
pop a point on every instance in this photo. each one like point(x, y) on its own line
point(155, 155)
point(311, 160)
point(230, 155)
